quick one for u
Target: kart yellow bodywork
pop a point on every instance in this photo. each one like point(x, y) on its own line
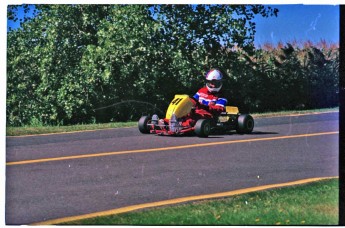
point(181, 106)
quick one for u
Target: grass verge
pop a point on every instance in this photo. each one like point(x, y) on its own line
point(37, 130)
point(33, 130)
point(309, 204)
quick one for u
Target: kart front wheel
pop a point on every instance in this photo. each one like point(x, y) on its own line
point(245, 124)
point(202, 128)
point(142, 125)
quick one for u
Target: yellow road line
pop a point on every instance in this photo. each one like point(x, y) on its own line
point(165, 148)
point(179, 200)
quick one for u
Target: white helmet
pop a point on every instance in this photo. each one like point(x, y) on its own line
point(214, 80)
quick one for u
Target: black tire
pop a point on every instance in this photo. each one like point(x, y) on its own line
point(142, 125)
point(245, 124)
point(202, 128)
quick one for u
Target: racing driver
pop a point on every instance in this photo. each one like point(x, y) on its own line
point(209, 100)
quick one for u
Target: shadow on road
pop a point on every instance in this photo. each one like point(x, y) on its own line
point(221, 135)
point(263, 133)
point(253, 133)
point(215, 136)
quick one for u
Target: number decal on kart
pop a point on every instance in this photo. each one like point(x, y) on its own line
point(176, 101)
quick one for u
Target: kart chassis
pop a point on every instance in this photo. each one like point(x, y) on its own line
point(241, 123)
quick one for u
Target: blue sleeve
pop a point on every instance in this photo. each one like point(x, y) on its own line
point(222, 102)
point(196, 96)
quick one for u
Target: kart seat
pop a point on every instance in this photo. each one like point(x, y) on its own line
point(230, 110)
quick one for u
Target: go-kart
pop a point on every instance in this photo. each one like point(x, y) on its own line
point(181, 110)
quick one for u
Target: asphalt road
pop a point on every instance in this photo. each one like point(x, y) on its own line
point(61, 175)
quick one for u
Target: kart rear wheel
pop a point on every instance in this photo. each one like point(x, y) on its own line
point(245, 124)
point(142, 125)
point(202, 128)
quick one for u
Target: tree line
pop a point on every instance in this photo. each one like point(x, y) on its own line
point(70, 64)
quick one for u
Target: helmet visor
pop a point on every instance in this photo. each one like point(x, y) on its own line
point(214, 83)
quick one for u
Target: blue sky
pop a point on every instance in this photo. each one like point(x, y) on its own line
point(300, 23)
point(296, 22)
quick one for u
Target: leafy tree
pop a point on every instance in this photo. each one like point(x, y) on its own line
point(289, 77)
point(49, 48)
point(82, 63)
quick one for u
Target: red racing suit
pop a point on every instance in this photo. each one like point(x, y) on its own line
point(209, 103)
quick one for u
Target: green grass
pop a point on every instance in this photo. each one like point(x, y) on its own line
point(309, 204)
point(39, 129)
point(32, 130)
